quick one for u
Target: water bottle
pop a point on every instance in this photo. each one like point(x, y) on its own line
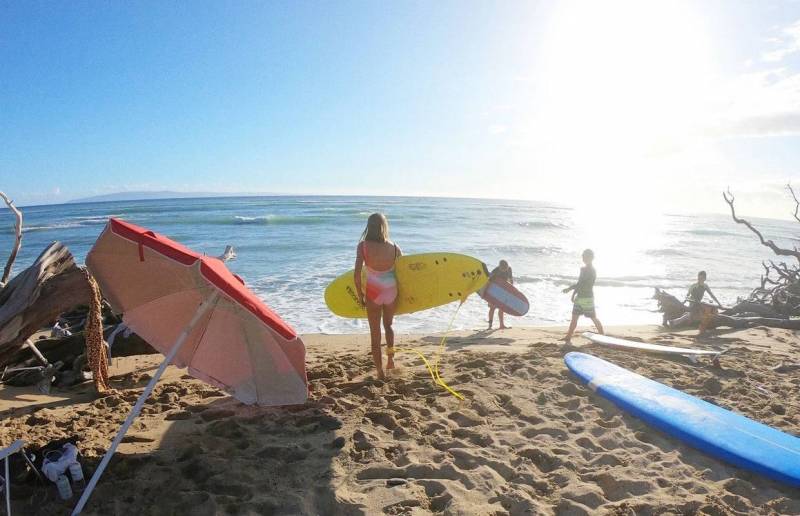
point(76, 472)
point(64, 489)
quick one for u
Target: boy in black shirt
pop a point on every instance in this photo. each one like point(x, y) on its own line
point(583, 296)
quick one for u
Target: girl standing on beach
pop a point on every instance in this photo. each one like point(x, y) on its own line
point(503, 272)
point(378, 254)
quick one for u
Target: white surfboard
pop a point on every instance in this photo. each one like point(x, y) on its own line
point(605, 340)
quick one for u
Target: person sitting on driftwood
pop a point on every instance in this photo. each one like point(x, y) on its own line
point(699, 312)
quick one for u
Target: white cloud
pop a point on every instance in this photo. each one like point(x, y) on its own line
point(787, 43)
point(756, 104)
point(776, 124)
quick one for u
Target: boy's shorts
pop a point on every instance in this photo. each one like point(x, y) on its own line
point(583, 306)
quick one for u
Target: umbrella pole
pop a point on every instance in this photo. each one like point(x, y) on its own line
point(201, 310)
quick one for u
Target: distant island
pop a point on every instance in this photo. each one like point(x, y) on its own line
point(164, 194)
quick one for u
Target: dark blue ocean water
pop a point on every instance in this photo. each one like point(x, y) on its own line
point(290, 248)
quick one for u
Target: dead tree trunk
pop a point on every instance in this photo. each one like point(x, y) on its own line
point(749, 322)
point(778, 296)
point(38, 295)
point(758, 309)
point(17, 239)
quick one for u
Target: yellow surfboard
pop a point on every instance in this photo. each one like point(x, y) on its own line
point(424, 281)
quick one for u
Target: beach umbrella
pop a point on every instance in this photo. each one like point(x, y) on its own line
point(201, 316)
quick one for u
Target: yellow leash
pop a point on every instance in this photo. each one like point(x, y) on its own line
point(434, 370)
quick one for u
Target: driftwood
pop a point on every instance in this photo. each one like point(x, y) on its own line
point(67, 349)
point(750, 308)
point(749, 322)
point(17, 239)
point(754, 315)
point(67, 358)
point(670, 306)
point(777, 299)
point(38, 295)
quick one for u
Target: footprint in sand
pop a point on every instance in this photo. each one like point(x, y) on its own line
point(617, 488)
point(383, 419)
point(543, 460)
point(363, 441)
point(556, 433)
point(287, 454)
point(466, 420)
point(476, 438)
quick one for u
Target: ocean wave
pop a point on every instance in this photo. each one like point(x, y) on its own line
point(276, 219)
point(94, 219)
point(711, 232)
point(619, 281)
point(666, 252)
point(76, 222)
point(543, 224)
point(542, 250)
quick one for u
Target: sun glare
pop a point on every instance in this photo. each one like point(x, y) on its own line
point(622, 83)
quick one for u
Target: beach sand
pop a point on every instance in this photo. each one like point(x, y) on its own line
point(528, 439)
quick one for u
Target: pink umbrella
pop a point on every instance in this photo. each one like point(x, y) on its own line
point(201, 316)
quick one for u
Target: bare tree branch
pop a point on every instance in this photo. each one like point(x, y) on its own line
point(17, 241)
point(796, 203)
point(729, 198)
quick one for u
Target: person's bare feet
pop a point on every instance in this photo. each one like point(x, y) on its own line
point(380, 375)
point(505, 327)
point(389, 363)
point(566, 339)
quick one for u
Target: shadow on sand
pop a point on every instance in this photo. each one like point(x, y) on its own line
point(197, 451)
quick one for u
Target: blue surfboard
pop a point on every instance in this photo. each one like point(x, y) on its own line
point(705, 426)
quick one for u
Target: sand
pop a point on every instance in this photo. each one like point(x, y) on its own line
point(528, 439)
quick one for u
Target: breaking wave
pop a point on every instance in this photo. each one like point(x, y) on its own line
point(275, 220)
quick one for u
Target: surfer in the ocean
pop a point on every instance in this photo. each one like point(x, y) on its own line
point(503, 272)
point(378, 254)
point(583, 296)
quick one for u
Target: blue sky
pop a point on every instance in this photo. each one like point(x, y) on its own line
point(661, 103)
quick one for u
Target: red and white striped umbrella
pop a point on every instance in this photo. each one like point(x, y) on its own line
point(200, 315)
point(238, 345)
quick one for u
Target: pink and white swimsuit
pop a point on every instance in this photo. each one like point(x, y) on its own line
point(381, 285)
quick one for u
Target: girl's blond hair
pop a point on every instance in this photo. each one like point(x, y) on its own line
point(377, 229)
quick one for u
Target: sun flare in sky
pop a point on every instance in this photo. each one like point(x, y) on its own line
point(623, 84)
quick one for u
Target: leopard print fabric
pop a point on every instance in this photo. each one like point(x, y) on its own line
point(93, 332)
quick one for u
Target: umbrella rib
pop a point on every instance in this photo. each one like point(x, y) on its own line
point(253, 361)
point(202, 335)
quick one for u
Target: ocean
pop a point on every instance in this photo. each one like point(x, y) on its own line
point(290, 248)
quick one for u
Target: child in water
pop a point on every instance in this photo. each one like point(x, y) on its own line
point(583, 296)
point(503, 272)
point(378, 254)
